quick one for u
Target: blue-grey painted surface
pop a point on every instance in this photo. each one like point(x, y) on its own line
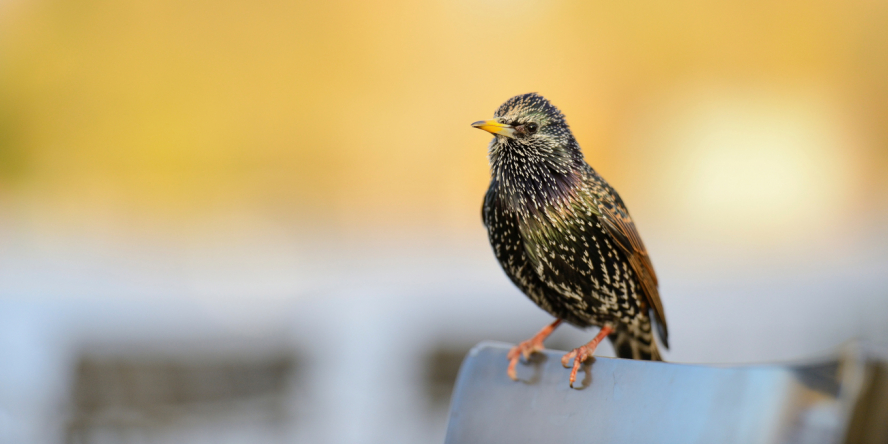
point(625, 401)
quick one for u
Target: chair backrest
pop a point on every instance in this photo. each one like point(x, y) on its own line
point(626, 401)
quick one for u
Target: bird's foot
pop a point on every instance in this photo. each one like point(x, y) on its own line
point(525, 349)
point(584, 352)
point(528, 347)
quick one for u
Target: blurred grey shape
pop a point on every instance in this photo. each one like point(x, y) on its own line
point(141, 400)
point(843, 399)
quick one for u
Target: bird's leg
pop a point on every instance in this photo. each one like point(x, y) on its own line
point(582, 353)
point(529, 346)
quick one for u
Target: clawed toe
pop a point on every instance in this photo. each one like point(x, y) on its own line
point(565, 360)
point(580, 355)
point(527, 348)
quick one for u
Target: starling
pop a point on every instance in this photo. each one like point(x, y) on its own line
point(564, 237)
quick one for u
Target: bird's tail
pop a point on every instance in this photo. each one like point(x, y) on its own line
point(628, 346)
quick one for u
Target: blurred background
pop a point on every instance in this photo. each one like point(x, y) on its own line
point(259, 222)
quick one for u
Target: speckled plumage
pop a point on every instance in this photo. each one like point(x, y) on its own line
point(562, 233)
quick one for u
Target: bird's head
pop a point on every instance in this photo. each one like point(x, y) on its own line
point(533, 149)
point(530, 129)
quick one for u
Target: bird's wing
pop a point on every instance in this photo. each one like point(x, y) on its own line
point(619, 224)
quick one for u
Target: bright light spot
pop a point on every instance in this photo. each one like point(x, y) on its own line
point(763, 167)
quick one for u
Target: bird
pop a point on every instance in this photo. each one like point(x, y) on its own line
point(565, 238)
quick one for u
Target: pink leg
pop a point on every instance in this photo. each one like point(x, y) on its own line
point(581, 354)
point(529, 346)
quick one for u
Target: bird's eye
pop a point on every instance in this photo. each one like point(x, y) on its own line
point(532, 127)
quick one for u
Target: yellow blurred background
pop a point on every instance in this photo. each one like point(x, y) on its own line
point(737, 118)
point(281, 184)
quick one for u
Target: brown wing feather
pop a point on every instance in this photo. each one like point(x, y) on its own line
point(619, 224)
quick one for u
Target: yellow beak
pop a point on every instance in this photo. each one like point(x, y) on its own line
point(494, 127)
